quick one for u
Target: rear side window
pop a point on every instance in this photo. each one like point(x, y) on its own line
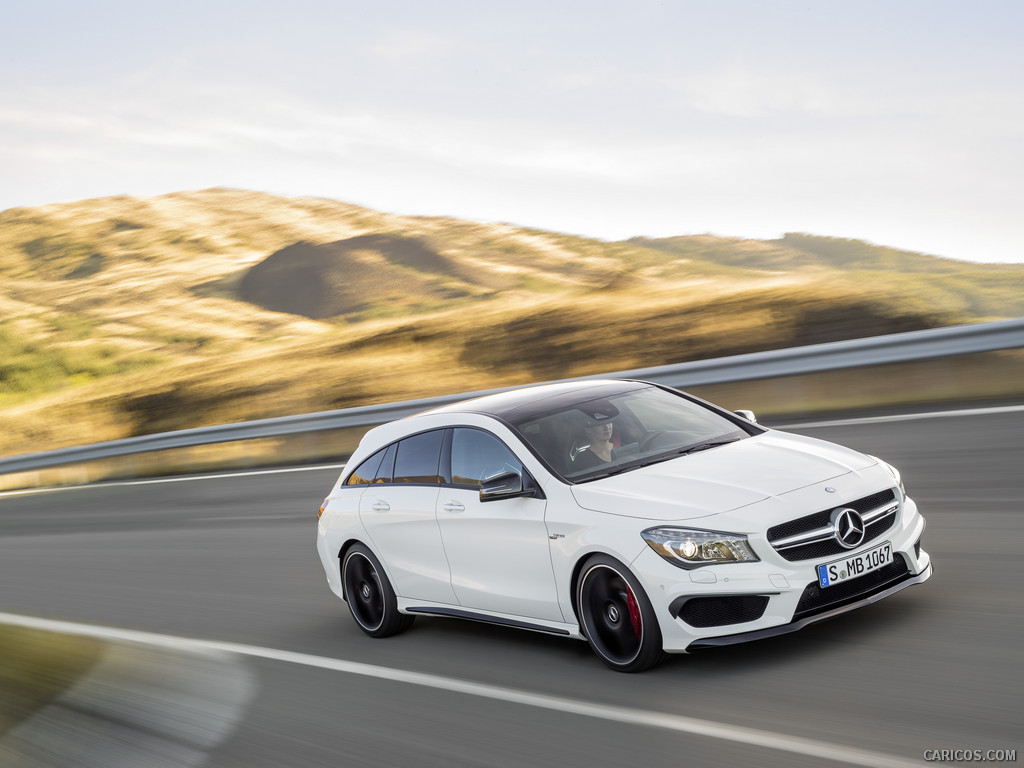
point(367, 471)
point(419, 457)
point(478, 455)
point(386, 470)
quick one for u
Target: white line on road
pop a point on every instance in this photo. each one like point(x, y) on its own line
point(239, 518)
point(645, 718)
point(180, 479)
point(907, 417)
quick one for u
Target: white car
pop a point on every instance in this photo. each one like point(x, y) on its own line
point(632, 515)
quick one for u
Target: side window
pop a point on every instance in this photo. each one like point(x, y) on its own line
point(386, 470)
point(477, 455)
point(367, 471)
point(419, 457)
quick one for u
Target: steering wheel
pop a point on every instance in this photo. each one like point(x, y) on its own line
point(648, 442)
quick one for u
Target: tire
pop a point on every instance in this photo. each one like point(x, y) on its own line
point(369, 594)
point(616, 616)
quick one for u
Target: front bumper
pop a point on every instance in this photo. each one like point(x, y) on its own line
point(726, 604)
point(793, 626)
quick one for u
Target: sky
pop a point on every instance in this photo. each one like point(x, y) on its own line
point(896, 122)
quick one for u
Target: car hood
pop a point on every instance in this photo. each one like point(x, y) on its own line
point(721, 479)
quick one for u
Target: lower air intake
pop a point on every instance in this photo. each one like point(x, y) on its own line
point(720, 611)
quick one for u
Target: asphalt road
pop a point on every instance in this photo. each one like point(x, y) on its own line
point(233, 559)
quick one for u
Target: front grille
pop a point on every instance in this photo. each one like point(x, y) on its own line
point(826, 547)
point(719, 611)
point(816, 600)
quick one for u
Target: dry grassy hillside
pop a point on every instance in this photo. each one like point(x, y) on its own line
point(124, 316)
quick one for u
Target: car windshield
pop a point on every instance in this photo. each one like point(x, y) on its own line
point(596, 438)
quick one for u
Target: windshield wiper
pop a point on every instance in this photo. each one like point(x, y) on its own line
point(706, 446)
point(609, 473)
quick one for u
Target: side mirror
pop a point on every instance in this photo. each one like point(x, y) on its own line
point(504, 485)
point(748, 415)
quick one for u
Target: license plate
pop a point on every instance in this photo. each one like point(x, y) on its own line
point(853, 566)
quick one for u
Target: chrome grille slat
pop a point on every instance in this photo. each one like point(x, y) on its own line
point(826, 532)
point(812, 536)
point(818, 534)
point(882, 511)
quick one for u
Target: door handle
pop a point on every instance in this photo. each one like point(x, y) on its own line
point(381, 506)
point(454, 506)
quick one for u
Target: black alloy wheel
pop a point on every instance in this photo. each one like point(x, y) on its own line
point(617, 617)
point(370, 596)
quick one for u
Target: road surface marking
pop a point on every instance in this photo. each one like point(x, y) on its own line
point(907, 417)
point(178, 479)
point(646, 718)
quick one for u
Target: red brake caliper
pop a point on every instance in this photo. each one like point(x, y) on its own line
point(634, 612)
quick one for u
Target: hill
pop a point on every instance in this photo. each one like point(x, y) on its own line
point(348, 276)
point(123, 316)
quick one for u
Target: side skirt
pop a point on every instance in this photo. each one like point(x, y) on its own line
point(458, 613)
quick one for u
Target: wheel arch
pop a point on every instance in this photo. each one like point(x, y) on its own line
point(577, 571)
point(607, 640)
point(349, 543)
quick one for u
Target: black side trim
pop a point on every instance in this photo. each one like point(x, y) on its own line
point(460, 614)
point(760, 634)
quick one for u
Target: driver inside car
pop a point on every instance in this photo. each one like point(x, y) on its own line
point(595, 447)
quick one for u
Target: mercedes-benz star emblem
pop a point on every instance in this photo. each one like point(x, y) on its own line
point(849, 527)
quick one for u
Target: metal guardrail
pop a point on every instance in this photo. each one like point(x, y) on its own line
point(814, 358)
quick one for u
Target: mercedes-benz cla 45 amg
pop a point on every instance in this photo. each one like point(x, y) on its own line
point(631, 515)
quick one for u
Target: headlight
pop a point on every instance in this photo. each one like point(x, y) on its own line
point(895, 474)
point(689, 548)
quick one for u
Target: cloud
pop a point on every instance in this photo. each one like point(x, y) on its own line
point(738, 90)
point(403, 45)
